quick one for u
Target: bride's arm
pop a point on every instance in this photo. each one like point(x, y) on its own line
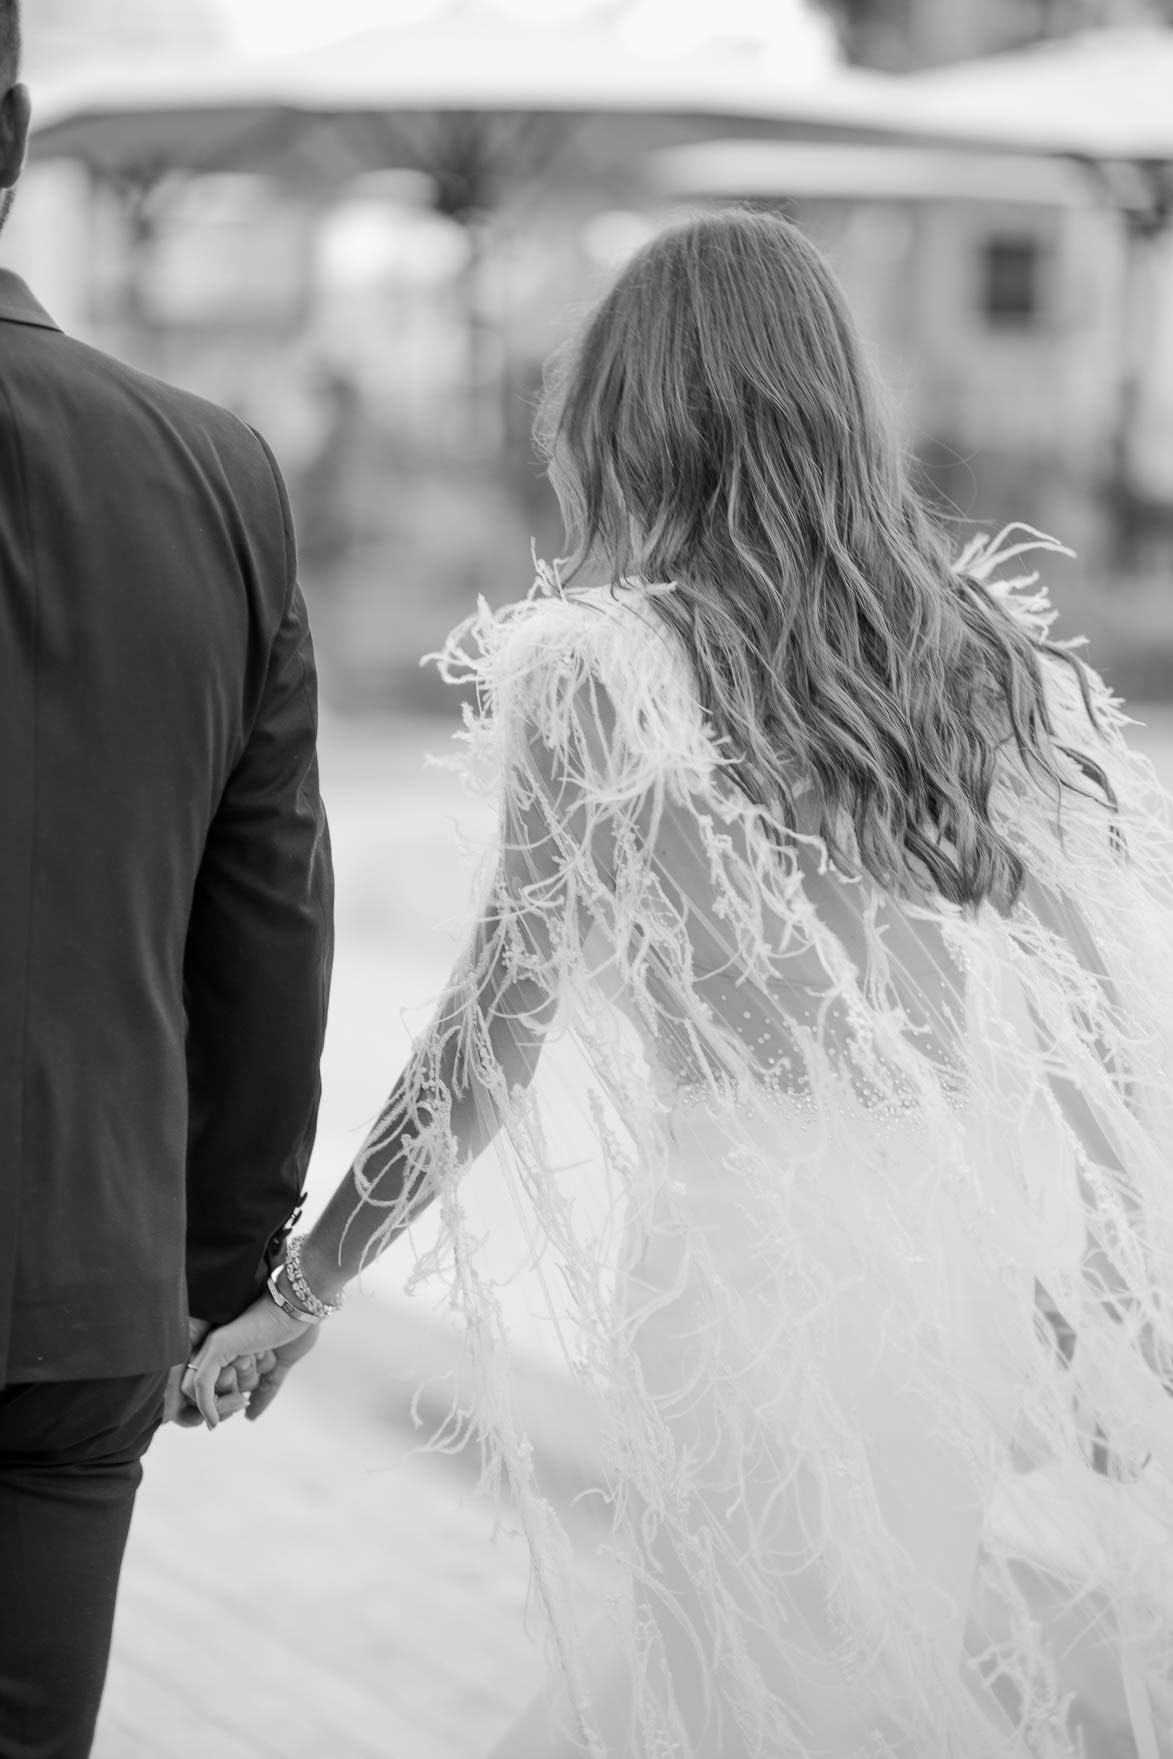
point(448, 1104)
point(482, 1047)
point(483, 1044)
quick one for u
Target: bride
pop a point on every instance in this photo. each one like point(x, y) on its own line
point(842, 881)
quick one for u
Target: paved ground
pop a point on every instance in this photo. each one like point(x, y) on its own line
point(307, 1588)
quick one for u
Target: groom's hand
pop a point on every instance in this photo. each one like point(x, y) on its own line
point(177, 1409)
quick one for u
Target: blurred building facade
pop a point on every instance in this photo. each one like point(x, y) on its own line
point(388, 333)
point(1022, 319)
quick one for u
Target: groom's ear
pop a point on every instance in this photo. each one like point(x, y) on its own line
point(16, 113)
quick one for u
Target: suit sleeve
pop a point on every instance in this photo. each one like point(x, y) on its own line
point(256, 982)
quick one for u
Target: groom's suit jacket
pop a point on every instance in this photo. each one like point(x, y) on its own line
point(165, 883)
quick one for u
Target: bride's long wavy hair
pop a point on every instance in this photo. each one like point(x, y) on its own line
point(717, 425)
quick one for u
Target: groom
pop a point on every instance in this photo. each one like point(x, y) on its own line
point(165, 944)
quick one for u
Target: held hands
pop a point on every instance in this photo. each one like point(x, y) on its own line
point(234, 1390)
point(242, 1365)
point(235, 1385)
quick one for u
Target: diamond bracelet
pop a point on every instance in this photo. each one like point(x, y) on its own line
point(318, 1309)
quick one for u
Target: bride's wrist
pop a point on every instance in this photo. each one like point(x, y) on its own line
point(283, 1296)
point(314, 1279)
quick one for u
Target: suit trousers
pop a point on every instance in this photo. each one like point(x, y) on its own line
point(70, 1465)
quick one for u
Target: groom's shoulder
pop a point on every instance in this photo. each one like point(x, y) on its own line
point(117, 381)
point(82, 390)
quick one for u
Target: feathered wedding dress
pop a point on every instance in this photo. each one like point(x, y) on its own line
point(874, 1283)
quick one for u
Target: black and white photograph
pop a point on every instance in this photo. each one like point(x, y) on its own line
point(586, 879)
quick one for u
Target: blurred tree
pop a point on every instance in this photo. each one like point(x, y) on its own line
point(875, 32)
point(58, 34)
point(902, 34)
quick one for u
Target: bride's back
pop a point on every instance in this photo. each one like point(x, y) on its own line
point(759, 941)
point(870, 867)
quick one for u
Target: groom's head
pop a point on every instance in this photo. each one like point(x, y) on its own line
point(14, 106)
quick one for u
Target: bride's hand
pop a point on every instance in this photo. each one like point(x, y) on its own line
point(262, 1331)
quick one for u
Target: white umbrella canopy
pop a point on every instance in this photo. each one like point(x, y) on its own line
point(773, 170)
point(1102, 94)
point(363, 95)
point(479, 59)
point(142, 117)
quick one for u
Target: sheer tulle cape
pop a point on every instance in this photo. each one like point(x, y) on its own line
point(873, 1283)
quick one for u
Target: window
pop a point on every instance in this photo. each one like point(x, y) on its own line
point(1010, 287)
